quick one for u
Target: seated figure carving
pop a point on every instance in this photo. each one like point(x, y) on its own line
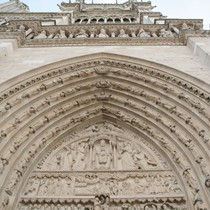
point(142, 33)
point(81, 34)
point(60, 35)
point(165, 33)
point(41, 35)
point(122, 33)
point(103, 34)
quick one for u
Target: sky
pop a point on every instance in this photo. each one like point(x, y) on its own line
point(198, 9)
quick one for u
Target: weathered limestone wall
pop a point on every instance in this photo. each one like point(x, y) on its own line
point(201, 48)
point(193, 59)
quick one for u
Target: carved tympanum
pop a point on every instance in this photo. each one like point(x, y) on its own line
point(101, 154)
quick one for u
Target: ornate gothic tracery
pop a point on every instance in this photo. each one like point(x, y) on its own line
point(68, 122)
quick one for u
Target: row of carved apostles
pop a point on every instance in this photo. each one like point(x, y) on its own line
point(102, 33)
point(90, 185)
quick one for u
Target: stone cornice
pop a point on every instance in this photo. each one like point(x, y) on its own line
point(104, 42)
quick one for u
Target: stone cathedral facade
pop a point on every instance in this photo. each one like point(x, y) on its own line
point(103, 107)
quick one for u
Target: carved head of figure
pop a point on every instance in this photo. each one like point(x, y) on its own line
point(163, 30)
point(102, 143)
point(141, 30)
point(122, 31)
point(58, 157)
point(107, 201)
point(82, 31)
point(43, 32)
point(207, 182)
point(138, 151)
point(164, 206)
point(62, 31)
point(102, 31)
point(22, 28)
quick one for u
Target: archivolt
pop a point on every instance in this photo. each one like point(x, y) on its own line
point(153, 100)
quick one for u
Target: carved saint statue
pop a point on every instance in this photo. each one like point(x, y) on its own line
point(60, 35)
point(103, 34)
point(81, 34)
point(141, 160)
point(142, 33)
point(122, 33)
point(80, 161)
point(41, 35)
point(165, 33)
point(68, 159)
point(103, 156)
point(126, 157)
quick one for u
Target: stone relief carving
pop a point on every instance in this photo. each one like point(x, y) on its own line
point(122, 33)
point(165, 33)
point(103, 202)
point(101, 154)
point(198, 201)
point(143, 34)
point(163, 85)
point(5, 202)
point(41, 35)
point(207, 182)
point(33, 110)
point(81, 34)
point(119, 115)
point(103, 34)
point(114, 184)
point(60, 35)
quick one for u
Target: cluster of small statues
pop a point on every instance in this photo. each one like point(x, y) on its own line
point(101, 154)
point(96, 183)
point(103, 33)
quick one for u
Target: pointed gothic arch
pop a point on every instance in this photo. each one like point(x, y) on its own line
point(118, 99)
